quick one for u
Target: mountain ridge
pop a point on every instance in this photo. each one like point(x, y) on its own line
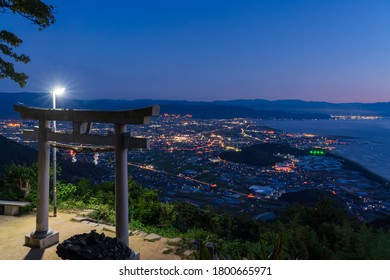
point(239, 108)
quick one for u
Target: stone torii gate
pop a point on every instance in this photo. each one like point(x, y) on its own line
point(122, 140)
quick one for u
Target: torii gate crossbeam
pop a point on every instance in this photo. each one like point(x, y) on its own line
point(43, 236)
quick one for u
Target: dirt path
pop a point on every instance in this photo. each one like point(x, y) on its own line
point(13, 229)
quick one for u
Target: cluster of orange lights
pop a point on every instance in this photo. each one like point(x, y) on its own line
point(330, 141)
point(13, 125)
point(177, 116)
point(284, 168)
point(309, 135)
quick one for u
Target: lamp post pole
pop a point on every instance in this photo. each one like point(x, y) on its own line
point(54, 164)
point(55, 92)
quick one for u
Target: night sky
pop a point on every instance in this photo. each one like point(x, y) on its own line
point(331, 50)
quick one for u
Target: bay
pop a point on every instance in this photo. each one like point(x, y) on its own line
point(368, 141)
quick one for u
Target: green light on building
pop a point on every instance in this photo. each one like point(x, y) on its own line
point(317, 152)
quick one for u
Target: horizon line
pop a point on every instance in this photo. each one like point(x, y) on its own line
point(205, 101)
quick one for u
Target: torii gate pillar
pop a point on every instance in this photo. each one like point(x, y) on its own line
point(42, 237)
point(121, 186)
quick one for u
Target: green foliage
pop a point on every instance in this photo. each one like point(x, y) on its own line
point(323, 232)
point(37, 12)
point(145, 205)
point(72, 204)
point(65, 191)
point(19, 182)
point(234, 249)
point(169, 232)
point(379, 247)
point(84, 194)
point(326, 232)
point(204, 253)
point(277, 249)
point(200, 234)
point(104, 213)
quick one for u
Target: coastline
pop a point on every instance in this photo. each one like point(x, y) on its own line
point(366, 160)
point(368, 144)
point(356, 166)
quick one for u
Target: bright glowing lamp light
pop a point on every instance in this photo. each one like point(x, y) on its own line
point(58, 91)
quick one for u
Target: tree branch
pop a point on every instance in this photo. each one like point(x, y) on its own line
point(35, 11)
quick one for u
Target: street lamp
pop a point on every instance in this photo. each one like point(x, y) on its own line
point(56, 91)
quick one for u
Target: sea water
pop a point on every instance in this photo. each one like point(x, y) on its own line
point(368, 141)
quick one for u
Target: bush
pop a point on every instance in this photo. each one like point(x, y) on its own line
point(19, 183)
point(65, 191)
point(103, 213)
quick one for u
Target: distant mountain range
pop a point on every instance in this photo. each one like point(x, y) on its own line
point(256, 108)
point(299, 106)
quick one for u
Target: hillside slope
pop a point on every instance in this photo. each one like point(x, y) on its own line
point(12, 152)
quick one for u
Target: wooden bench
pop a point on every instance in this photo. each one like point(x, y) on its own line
point(11, 208)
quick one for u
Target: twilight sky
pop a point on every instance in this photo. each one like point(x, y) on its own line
point(330, 50)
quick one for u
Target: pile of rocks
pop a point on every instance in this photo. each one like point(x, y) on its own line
point(94, 246)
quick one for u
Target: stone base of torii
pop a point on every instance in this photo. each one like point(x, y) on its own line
point(43, 236)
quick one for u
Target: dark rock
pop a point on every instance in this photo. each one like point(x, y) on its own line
point(93, 246)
